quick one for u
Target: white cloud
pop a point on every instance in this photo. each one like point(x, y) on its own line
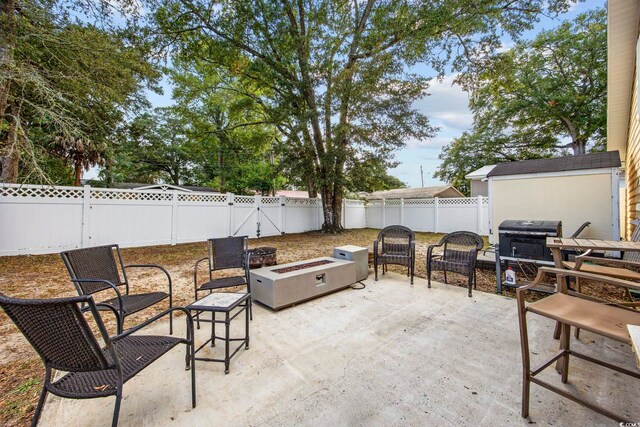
point(435, 143)
point(446, 105)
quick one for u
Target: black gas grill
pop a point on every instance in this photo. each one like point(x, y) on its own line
point(523, 239)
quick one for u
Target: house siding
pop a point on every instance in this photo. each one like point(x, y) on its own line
point(632, 166)
point(479, 188)
point(572, 199)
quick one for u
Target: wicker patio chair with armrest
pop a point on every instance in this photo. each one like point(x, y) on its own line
point(61, 335)
point(459, 255)
point(224, 254)
point(96, 269)
point(396, 245)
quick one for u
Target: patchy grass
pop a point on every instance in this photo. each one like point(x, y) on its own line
point(44, 276)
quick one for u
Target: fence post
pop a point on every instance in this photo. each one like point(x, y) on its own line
point(283, 214)
point(174, 217)
point(344, 214)
point(86, 205)
point(401, 210)
point(257, 204)
point(230, 213)
point(436, 220)
point(384, 214)
point(479, 215)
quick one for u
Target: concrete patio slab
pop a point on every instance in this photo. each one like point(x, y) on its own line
point(391, 354)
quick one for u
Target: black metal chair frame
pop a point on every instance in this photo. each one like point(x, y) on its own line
point(403, 254)
point(59, 332)
point(455, 260)
point(212, 255)
point(98, 284)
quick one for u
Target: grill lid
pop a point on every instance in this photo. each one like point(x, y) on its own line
point(528, 226)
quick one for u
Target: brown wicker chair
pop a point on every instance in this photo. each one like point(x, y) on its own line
point(395, 245)
point(59, 332)
point(223, 254)
point(459, 254)
point(96, 269)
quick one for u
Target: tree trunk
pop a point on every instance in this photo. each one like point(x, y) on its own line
point(312, 190)
point(332, 214)
point(331, 203)
point(78, 173)
point(220, 165)
point(7, 44)
point(9, 154)
point(9, 165)
point(579, 146)
point(10, 150)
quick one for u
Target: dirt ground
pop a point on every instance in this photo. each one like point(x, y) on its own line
point(44, 276)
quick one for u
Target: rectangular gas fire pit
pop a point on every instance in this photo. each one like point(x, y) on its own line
point(283, 285)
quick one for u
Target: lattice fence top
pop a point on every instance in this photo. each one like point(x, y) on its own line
point(459, 201)
point(271, 200)
point(110, 194)
point(294, 201)
point(202, 198)
point(375, 202)
point(41, 191)
point(393, 202)
point(420, 202)
point(354, 202)
point(244, 200)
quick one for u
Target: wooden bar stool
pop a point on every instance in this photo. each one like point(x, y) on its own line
point(571, 309)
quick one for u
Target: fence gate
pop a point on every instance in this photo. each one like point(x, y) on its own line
point(264, 212)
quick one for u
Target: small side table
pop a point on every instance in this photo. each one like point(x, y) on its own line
point(357, 254)
point(223, 302)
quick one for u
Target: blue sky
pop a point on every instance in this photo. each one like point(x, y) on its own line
point(447, 107)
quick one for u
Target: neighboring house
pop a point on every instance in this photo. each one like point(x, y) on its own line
point(299, 194)
point(416, 193)
point(623, 112)
point(479, 181)
point(571, 189)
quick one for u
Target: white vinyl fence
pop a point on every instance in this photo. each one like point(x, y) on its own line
point(47, 219)
point(431, 215)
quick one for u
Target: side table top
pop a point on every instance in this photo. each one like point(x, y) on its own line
point(350, 248)
point(219, 301)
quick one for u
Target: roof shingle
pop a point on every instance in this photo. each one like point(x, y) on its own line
point(608, 159)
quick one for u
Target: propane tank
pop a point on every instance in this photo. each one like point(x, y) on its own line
point(510, 277)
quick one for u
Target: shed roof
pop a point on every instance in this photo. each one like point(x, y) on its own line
point(480, 173)
point(417, 193)
point(608, 159)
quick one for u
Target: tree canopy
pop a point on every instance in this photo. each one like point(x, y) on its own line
point(332, 74)
point(65, 84)
point(537, 99)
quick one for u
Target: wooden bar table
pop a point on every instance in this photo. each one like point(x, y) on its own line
point(556, 244)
